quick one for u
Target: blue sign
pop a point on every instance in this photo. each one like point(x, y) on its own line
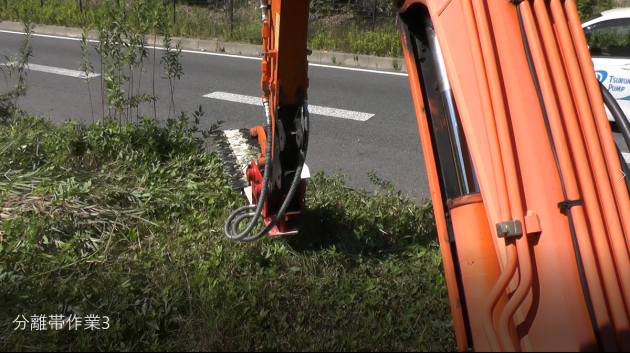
point(601, 75)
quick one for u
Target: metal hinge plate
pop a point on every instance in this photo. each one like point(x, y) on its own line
point(509, 229)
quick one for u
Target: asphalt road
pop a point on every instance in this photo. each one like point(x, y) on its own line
point(387, 143)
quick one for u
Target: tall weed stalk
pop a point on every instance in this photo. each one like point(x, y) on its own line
point(18, 65)
point(172, 67)
point(103, 40)
point(158, 19)
point(141, 7)
point(123, 50)
point(85, 66)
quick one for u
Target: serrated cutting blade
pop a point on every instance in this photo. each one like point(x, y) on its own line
point(236, 150)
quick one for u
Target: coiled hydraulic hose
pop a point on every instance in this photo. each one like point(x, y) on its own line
point(235, 219)
point(261, 201)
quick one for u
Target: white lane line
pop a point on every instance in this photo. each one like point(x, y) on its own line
point(626, 156)
point(313, 109)
point(340, 113)
point(224, 55)
point(47, 36)
point(237, 98)
point(57, 71)
point(357, 69)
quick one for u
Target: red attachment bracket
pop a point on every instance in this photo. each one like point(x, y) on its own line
point(286, 225)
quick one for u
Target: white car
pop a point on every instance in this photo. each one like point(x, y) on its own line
point(608, 37)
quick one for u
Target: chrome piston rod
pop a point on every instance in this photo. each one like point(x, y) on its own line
point(263, 9)
point(449, 106)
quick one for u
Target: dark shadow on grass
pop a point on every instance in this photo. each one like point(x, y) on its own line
point(6, 110)
point(323, 228)
point(360, 224)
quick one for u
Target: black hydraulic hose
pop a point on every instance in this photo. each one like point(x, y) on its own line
point(294, 185)
point(235, 235)
point(624, 126)
point(576, 246)
point(233, 221)
point(620, 118)
point(237, 216)
point(625, 168)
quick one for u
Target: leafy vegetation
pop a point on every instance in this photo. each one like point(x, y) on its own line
point(17, 65)
point(588, 8)
point(125, 221)
point(123, 48)
point(613, 43)
point(332, 32)
point(329, 29)
point(384, 41)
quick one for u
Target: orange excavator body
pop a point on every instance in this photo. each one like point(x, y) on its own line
point(532, 221)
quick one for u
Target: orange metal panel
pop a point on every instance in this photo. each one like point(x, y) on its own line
point(292, 64)
point(580, 155)
point(463, 74)
point(546, 314)
point(552, 314)
point(436, 198)
point(523, 293)
point(585, 244)
point(516, 170)
point(457, 51)
point(603, 127)
point(614, 226)
point(479, 263)
point(286, 68)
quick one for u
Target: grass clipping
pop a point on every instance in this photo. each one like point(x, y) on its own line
point(126, 222)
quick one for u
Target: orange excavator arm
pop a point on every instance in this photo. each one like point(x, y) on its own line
point(532, 220)
point(276, 176)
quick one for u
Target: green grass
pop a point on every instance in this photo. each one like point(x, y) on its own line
point(126, 222)
point(384, 41)
point(338, 33)
point(333, 33)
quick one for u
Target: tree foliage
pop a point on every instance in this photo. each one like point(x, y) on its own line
point(588, 8)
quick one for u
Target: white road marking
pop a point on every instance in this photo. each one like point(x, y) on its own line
point(46, 36)
point(237, 98)
point(225, 55)
point(57, 71)
point(313, 109)
point(626, 156)
point(357, 69)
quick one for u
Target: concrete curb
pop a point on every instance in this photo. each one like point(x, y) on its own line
point(318, 56)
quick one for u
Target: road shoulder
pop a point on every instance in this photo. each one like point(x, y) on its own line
point(318, 56)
